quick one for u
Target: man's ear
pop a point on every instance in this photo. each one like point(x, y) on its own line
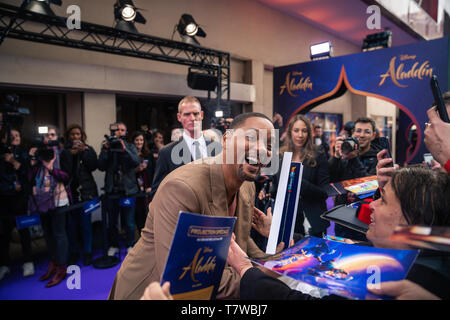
point(179, 117)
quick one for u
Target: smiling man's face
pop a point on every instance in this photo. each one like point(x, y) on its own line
point(251, 145)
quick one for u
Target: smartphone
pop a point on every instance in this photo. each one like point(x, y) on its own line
point(427, 157)
point(438, 100)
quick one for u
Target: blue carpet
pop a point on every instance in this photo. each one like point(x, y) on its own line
point(94, 283)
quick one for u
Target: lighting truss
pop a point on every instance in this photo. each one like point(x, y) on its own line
point(25, 25)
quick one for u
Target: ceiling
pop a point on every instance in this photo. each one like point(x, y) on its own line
point(343, 18)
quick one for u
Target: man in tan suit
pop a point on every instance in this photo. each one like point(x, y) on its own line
point(219, 186)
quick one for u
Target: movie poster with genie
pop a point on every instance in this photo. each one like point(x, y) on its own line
point(340, 268)
point(197, 256)
point(399, 75)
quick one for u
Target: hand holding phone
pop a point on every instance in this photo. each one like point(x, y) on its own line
point(427, 157)
point(438, 99)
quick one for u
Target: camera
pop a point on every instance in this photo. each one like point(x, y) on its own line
point(11, 115)
point(44, 150)
point(348, 145)
point(115, 144)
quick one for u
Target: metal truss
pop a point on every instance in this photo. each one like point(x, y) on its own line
point(26, 25)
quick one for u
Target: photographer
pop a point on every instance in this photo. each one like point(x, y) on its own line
point(354, 157)
point(81, 160)
point(119, 159)
point(13, 195)
point(49, 192)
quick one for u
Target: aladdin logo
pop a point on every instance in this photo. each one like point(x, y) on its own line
point(290, 85)
point(197, 266)
point(400, 73)
point(197, 231)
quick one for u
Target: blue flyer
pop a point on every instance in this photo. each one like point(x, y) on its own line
point(127, 202)
point(197, 256)
point(342, 269)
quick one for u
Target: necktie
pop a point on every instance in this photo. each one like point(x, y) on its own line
point(198, 154)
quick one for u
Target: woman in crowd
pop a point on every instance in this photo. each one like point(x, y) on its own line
point(49, 193)
point(315, 178)
point(80, 160)
point(14, 165)
point(144, 175)
point(156, 143)
point(413, 196)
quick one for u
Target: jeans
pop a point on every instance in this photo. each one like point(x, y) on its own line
point(113, 210)
point(55, 234)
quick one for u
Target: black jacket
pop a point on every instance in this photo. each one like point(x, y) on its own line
point(127, 162)
point(9, 176)
point(80, 167)
point(165, 165)
point(361, 166)
point(313, 195)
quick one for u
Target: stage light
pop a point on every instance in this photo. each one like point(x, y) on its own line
point(321, 50)
point(218, 114)
point(378, 40)
point(188, 29)
point(201, 80)
point(42, 6)
point(126, 15)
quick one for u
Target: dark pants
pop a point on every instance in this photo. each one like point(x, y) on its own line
point(113, 210)
point(55, 234)
point(141, 211)
point(10, 206)
point(80, 226)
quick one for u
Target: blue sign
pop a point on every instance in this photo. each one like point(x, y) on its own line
point(91, 206)
point(400, 75)
point(127, 202)
point(23, 222)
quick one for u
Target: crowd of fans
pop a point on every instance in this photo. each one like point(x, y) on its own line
point(58, 175)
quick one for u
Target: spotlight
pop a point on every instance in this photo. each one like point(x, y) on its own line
point(218, 114)
point(188, 29)
point(321, 50)
point(42, 6)
point(378, 40)
point(126, 15)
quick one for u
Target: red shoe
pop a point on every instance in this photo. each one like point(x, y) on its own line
point(58, 277)
point(51, 270)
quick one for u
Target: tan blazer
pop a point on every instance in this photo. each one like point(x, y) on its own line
point(196, 188)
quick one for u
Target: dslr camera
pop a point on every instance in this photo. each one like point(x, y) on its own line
point(348, 145)
point(115, 144)
point(44, 150)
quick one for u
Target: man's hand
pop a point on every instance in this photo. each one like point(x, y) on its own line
point(384, 168)
point(402, 290)
point(154, 291)
point(437, 136)
point(261, 222)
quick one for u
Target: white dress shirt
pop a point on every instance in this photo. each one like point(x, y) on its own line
point(190, 142)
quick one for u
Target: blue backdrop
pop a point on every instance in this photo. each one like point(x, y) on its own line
point(400, 75)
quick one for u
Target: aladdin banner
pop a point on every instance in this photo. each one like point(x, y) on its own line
point(400, 75)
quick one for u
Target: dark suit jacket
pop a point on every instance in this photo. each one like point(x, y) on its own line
point(312, 195)
point(179, 151)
